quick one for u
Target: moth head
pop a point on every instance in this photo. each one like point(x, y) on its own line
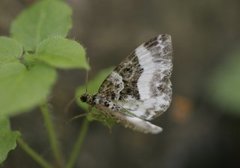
point(86, 98)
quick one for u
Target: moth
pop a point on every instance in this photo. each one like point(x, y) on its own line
point(139, 88)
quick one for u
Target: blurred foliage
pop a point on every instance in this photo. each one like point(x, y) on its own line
point(22, 89)
point(26, 80)
point(92, 88)
point(224, 84)
point(62, 53)
point(7, 138)
point(28, 62)
point(10, 49)
point(37, 23)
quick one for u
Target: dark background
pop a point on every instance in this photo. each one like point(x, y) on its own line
point(197, 133)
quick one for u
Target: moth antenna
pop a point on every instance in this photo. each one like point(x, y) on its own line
point(80, 115)
point(66, 109)
point(87, 76)
point(73, 99)
point(76, 117)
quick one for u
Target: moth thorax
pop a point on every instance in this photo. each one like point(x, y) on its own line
point(87, 98)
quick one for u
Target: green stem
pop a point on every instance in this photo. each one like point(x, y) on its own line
point(34, 155)
point(78, 144)
point(52, 135)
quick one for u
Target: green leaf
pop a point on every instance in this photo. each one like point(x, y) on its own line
point(10, 50)
point(223, 86)
point(62, 53)
point(7, 138)
point(44, 19)
point(93, 86)
point(22, 89)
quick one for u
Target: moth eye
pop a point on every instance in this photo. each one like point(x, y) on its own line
point(83, 98)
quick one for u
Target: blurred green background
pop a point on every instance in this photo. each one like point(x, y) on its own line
point(202, 126)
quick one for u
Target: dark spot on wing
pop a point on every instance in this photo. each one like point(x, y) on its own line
point(94, 99)
point(127, 69)
point(151, 43)
point(106, 103)
point(128, 90)
point(160, 88)
point(135, 59)
point(113, 95)
point(163, 37)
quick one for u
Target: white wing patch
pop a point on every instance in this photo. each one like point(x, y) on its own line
point(156, 62)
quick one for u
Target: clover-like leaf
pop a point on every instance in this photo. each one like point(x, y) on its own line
point(10, 50)
point(44, 19)
point(21, 89)
point(62, 53)
point(7, 138)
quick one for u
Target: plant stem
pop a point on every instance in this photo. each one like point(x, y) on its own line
point(52, 135)
point(78, 144)
point(34, 155)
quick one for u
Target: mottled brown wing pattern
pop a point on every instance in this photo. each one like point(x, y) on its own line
point(141, 82)
point(130, 71)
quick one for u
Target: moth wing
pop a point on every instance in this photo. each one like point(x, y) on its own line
point(137, 124)
point(143, 126)
point(141, 82)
